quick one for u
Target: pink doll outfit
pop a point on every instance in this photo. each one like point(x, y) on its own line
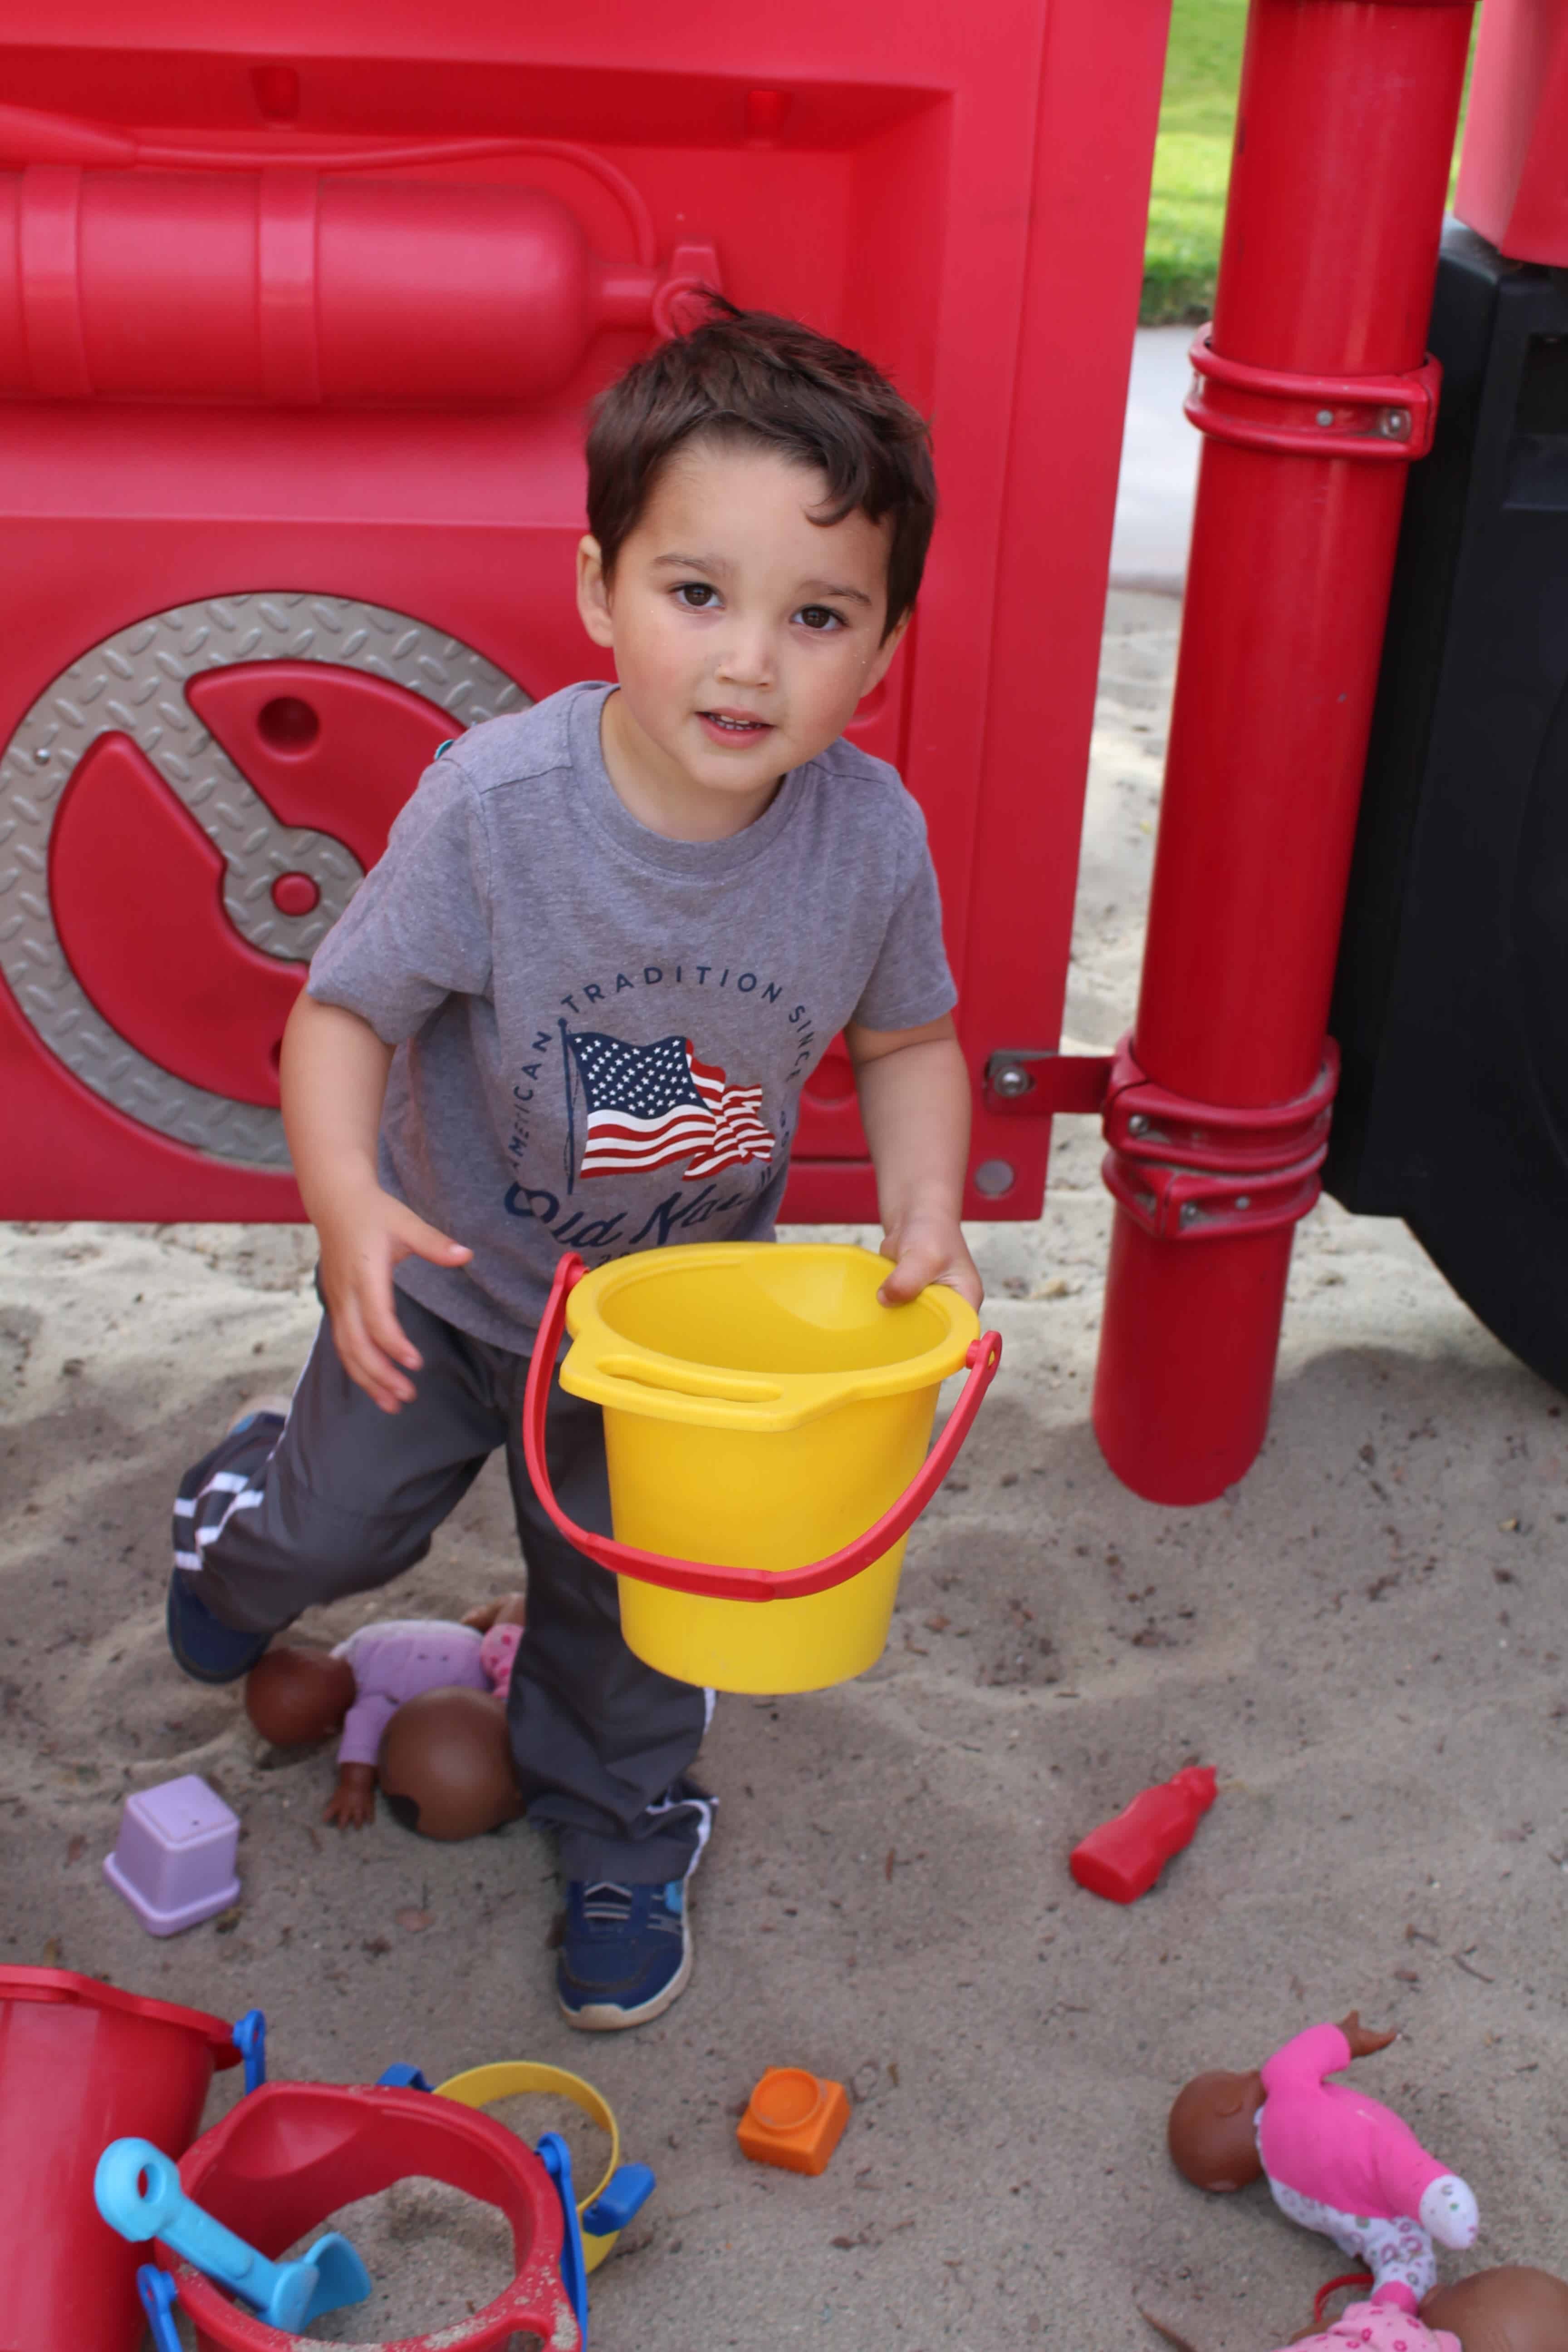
point(498, 1655)
point(1345, 2165)
point(401, 1657)
point(1378, 2328)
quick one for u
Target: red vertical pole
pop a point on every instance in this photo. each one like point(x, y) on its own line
point(1312, 393)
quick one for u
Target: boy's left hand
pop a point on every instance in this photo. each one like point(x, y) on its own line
point(929, 1247)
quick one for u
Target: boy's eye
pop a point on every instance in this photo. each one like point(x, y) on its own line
point(697, 595)
point(820, 617)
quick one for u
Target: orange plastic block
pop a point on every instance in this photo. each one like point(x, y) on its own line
point(793, 2119)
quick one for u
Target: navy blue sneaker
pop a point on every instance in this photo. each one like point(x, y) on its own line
point(207, 1649)
point(625, 1955)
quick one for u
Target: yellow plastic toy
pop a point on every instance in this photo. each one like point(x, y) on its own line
point(605, 2212)
point(766, 1423)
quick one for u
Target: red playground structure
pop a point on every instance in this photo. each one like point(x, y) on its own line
point(299, 311)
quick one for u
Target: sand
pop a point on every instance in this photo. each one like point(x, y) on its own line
point(1365, 1637)
point(434, 2255)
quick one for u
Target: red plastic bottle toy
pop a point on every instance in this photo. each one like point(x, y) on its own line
point(1123, 1857)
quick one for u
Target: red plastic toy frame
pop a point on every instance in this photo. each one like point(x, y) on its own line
point(967, 196)
point(390, 2127)
point(714, 1583)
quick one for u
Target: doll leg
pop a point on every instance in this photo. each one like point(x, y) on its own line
point(1402, 2265)
point(338, 1498)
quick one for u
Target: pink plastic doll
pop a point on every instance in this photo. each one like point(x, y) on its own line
point(295, 1695)
point(1334, 2160)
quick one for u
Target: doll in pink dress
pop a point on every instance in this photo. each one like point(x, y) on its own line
point(1334, 2160)
point(1360, 2327)
point(1514, 2309)
point(1376, 2327)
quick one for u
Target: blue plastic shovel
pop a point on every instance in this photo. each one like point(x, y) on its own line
point(138, 2191)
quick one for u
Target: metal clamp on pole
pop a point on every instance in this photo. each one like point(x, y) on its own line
point(1374, 416)
point(1190, 1171)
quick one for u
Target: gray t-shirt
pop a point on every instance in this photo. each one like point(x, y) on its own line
point(602, 1035)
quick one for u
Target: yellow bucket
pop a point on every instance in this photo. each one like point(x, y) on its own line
point(766, 1423)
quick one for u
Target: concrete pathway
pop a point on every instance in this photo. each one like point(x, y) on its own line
point(1159, 467)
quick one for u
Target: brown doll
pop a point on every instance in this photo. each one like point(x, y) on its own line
point(446, 1765)
point(1213, 2127)
point(296, 1695)
point(1335, 2160)
point(1514, 2309)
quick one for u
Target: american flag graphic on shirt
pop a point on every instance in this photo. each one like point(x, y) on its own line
point(650, 1105)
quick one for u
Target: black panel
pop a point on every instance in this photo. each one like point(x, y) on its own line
point(1451, 1003)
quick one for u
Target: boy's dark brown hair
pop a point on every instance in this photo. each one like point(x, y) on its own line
point(744, 376)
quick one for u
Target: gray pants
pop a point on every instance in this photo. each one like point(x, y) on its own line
point(349, 1497)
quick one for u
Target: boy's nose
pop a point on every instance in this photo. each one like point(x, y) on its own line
point(746, 659)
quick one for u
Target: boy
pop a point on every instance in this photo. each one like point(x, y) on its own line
point(574, 1007)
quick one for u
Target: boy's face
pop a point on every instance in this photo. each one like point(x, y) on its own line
point(743, 633)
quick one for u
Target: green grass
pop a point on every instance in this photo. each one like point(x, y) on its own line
point(1191, 160)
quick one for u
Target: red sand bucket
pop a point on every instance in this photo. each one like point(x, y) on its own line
point(292, 2153)
point(82, 2064)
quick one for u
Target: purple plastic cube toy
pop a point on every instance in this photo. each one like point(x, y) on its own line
point(175, 1859)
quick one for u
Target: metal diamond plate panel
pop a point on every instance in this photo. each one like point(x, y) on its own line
point(134, 683)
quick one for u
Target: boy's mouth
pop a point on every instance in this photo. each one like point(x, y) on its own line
point(734, 726)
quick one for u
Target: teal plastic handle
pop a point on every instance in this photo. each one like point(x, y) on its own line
point(138, 2192)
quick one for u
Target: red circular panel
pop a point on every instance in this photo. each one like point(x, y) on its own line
point(295, 894)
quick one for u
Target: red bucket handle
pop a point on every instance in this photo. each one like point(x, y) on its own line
point(740, 1583)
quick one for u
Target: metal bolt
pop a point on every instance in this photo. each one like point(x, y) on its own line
point(1394, 423)
point(1011, 1079)
point(41, 755)
point(1325, 415)
point(1244, 1202)
point(1138, 1124)
point(994, 1177)
point(1189, 1212)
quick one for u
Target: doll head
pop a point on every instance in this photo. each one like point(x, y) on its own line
point(446, 1764)
point(1212, 2131)
point(1509, 2310)
point(293, 1695)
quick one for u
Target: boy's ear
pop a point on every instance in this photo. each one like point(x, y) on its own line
point(593, 591)
point(881, 660)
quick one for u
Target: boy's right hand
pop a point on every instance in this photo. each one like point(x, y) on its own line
point(363, 1235)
